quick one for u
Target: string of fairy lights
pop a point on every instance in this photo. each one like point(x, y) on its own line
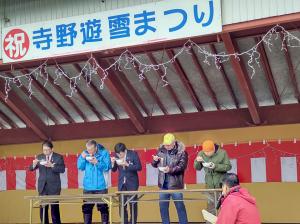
point(127, 60)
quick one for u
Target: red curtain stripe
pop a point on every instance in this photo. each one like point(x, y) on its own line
point(243, 153)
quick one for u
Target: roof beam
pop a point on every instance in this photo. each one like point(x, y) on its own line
point(243, 79)
point(8, 120)
point(203, 76)
point(121, 76)
point(236, 118)
point(152, 92)
point(81, 97)
point(99, 95)
point(122, 96)
point(43, 91)
point(168, 87)
point(267, 71)
point(225, 78)
point(2, 126)
point(35, 100)
point(20, 108)
point(68, 99)
point(185, 81)
point(291, 69)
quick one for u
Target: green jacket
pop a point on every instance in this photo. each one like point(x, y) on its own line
point(214, 176)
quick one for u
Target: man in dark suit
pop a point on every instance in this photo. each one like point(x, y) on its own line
point(128, 163)
point(50, 165)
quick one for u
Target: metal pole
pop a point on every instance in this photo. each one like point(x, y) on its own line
point(132, 213)
point(30, 212)
point(110, 209)
point(43, 214)
point(122, 209)
point(215, 201)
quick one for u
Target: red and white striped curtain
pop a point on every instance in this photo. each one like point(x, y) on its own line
point(256, 162)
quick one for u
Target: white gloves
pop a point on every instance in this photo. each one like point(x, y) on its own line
point(209, 165)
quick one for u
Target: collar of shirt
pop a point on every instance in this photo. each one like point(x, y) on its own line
point(49, 157)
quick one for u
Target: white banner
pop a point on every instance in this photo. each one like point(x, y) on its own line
point(233, 166)
point(143, 24)
point(20, 179)
point(288, 169)
point(37, 175)
point(151, 175)
point(64, 179)
point(258, 170)
point(3, 180)
point(80, 178)
point(200, 176)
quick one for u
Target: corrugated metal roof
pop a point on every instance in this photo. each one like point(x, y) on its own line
point(280, 72)
point(176, 83)
point(294, 52)
point(257, 77)
point(4, 109)
point(90, 105)
point(140, 87)
point(232, 77)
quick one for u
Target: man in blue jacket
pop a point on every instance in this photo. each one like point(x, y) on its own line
point(128, 163)
point(95, 161)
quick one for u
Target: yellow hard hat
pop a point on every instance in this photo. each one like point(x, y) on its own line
point(168, 139)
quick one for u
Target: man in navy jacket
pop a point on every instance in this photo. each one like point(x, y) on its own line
point(128, 163)
point(50, 166)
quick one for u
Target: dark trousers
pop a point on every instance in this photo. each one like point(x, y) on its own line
point(133, 208)
point(44, 209)
point(87, 209)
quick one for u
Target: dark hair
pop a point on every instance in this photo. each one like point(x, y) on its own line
point(48, 144)
point(231, 180)
point(91, 142)
point(120, 147)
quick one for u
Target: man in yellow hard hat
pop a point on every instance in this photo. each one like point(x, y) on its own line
point(215, 163)
point(171, 159)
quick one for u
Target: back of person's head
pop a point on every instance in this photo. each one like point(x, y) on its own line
point(120, 147)
point(48, 144)
point(230, 180)
point(91, 143)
